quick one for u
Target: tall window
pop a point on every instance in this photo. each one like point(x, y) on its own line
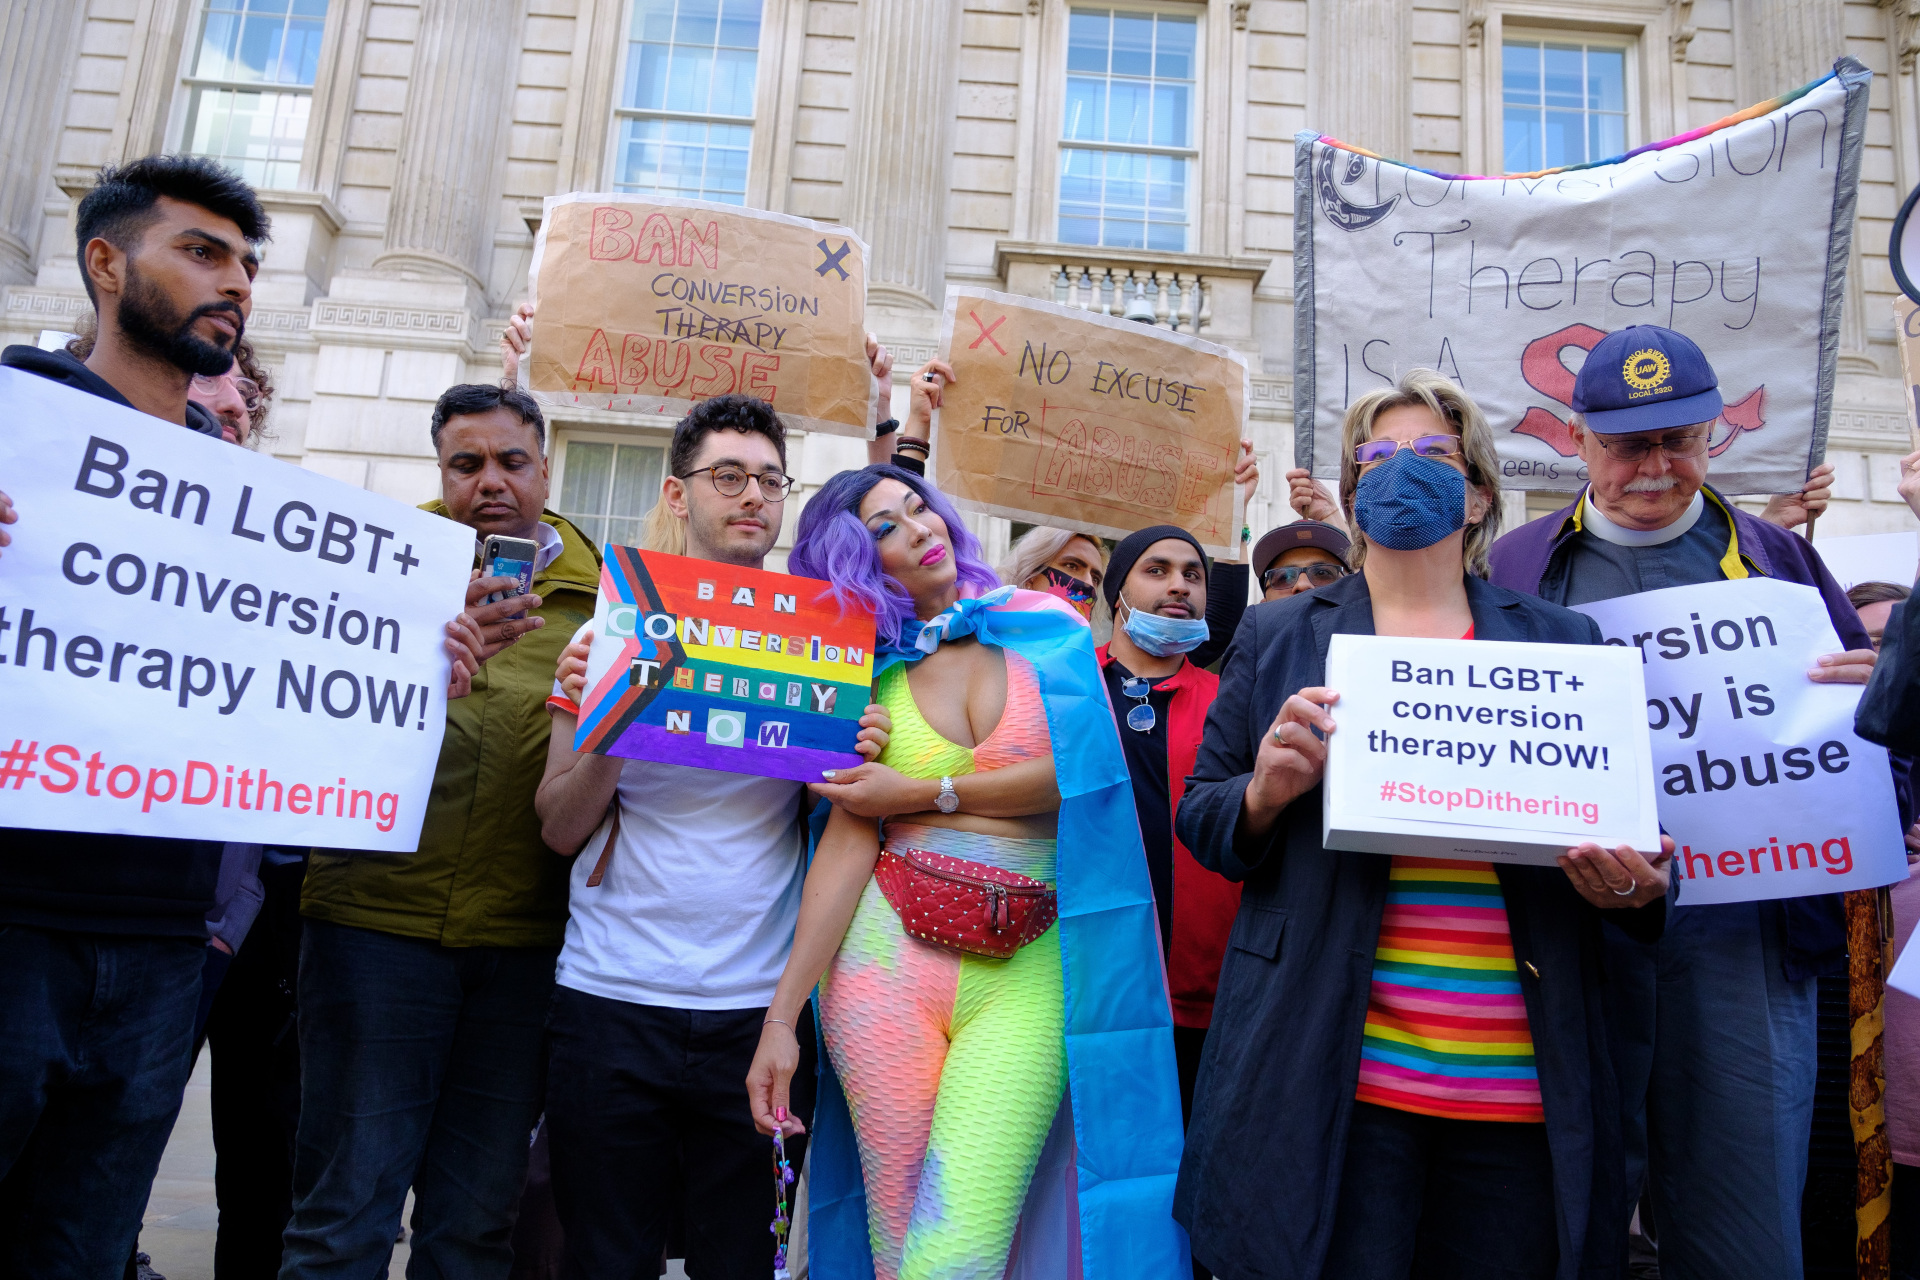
point(1127, 157)
point(607, 489)
point(685, 118)
point(250, 83)
point(1564, 102)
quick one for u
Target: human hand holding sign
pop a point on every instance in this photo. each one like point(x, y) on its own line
point(1291, 760)
point(1791, 510)
point(7, 516)
point(1310, 499)
point(1617, 878)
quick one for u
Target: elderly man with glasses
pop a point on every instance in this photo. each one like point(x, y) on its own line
point(1714, 1024)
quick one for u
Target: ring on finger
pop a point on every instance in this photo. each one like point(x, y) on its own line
point(1627, 892)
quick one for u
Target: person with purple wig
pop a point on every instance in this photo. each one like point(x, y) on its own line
point(941, 1135)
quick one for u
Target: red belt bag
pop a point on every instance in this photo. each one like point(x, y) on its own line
point(968, 906)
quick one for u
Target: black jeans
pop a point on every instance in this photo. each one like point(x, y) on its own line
point(420, 1065)
point(95, 1041)
point(1443, 1200)
point(647, 1114)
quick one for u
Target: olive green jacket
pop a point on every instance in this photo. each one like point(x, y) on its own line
point(482, 877)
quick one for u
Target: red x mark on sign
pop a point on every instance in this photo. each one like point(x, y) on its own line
point(986, 333)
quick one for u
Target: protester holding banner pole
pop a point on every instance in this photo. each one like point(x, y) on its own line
point(1354, 1129)
point(1717, 1018)
point(952, 1023)
point(425, 977)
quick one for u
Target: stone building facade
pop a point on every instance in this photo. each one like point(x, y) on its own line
point(1099, 150)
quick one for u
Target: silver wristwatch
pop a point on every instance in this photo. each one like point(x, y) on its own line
point(948, 800)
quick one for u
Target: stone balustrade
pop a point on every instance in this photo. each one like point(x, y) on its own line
point(1196, 294)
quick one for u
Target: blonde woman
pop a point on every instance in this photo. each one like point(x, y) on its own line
point(1407, 1072)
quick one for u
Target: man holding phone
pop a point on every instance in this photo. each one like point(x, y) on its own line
point(425, 977)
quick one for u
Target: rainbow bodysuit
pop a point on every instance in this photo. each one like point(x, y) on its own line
point(953, 1065)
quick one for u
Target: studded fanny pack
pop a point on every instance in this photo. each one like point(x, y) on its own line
point(968, 906)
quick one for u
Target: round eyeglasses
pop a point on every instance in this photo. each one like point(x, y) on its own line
point(731, 482)
point(1320, 575)
point(1425, 446)
point(1140, 717)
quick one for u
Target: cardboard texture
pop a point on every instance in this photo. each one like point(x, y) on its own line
point(652, 304)
point(717, 667)
point(1486, 749)
point(1070, 418)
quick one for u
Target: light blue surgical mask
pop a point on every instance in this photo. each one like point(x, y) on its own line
point(1162, 637)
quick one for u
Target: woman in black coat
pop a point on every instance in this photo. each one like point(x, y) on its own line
point(1288, 1173)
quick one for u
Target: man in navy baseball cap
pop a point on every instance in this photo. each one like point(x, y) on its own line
point(1715, 1024)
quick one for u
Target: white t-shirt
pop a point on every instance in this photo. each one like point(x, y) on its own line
point(697, 906)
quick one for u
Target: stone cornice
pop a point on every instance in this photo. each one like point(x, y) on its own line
point(1007, 252)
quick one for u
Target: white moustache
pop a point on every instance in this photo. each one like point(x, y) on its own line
point(1651, 484)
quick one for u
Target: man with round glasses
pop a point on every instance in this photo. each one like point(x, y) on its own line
point(1299, 557)
point(1156, 588)
point(1715, 1023)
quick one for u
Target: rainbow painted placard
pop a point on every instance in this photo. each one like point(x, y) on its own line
point(717, 667)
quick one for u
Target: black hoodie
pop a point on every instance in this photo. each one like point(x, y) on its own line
point(78, 882)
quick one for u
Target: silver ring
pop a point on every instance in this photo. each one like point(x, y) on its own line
point(927, 376)
point(1627, 892)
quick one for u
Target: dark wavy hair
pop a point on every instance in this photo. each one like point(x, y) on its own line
point(123, 201)
point(834, 544)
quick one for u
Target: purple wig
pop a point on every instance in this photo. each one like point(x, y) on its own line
point(835, 545)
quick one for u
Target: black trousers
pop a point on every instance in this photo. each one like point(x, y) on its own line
point(647, 1116)
point(1440, 1199)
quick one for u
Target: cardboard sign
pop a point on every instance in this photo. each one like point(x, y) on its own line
point(1485, 749)
point(1737, 235)
point(1764, 788)
point(199, 641)
point(1070, 418)
point(717, 667)
point(652, 304)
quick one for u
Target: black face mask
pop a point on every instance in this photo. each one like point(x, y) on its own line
point(148, 319)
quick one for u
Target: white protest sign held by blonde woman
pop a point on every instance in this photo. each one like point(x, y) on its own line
point(1065, 417)
point(651, 304)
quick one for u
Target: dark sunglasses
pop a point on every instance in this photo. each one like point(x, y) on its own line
point(1319, 574)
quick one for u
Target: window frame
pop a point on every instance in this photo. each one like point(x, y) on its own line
point(617, 114)
point(564, 435)
point(1055, 144)
point(187, 84)
point(1590, 38)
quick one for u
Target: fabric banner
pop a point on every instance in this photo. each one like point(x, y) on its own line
point(1763, 786)
point(197, 641)
point(1066, 417)
point(714, 666)
point(651, 304)
point(1485, 749)
point(1737, 235)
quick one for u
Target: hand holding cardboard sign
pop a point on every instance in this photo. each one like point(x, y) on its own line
point(1291, 759)
point(571, 671)
point(1617, 878)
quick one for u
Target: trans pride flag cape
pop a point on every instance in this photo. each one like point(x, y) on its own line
point(1122, 1087)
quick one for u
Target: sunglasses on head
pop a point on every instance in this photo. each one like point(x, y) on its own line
point(1319, 574)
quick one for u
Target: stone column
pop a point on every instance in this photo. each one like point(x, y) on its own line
point(1358, 55)
point(37, 45)
point(900, 149)
point(446, 186)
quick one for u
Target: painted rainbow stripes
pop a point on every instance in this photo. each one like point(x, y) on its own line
point(1447, 1030)
point(1726, 122)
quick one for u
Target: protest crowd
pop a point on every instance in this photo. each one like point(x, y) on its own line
point(1188, 1033)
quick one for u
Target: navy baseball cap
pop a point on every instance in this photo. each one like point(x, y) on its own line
point(1645, 378)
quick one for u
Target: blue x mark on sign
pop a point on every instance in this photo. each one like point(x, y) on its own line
point(831, 259)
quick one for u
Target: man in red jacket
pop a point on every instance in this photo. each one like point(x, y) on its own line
point(1156, 585)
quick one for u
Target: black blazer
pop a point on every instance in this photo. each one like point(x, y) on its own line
point(1261, 1176)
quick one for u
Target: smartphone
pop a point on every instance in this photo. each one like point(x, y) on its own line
point(509, 558)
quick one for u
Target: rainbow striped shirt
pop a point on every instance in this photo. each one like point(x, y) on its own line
point(1447, 1030)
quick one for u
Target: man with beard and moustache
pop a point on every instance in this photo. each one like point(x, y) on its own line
point(1715, 1033)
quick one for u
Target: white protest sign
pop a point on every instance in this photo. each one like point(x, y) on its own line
point(1737, 235)
point(1764, 788)
point(198, 641)
point(1485, 749)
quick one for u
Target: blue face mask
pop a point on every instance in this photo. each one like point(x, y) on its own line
point(1409, 502)
point(1163, 637)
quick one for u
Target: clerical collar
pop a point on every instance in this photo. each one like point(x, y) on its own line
point(1595, 522)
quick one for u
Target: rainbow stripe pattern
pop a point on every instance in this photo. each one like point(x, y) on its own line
point(1446, 1031)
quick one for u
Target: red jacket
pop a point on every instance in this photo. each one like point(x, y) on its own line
point(1204, 902)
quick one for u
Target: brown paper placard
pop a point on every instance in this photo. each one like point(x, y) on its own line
point(652, 304)
point(1066, 417)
